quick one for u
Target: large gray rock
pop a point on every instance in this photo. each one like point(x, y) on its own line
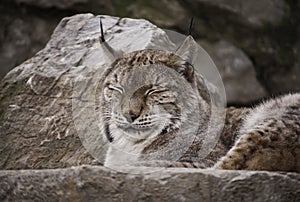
point(87, 183)
point(37, 121)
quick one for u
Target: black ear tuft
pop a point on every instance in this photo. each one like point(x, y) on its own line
point(111, 53)
point(191, 26)
point(102, 39)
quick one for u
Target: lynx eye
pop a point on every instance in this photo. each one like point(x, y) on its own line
point(156, 91)
point(161, 95)
point(117, 88)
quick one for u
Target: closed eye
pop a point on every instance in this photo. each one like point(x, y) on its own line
point(117, 88)
point(154, 91)
point(162, 95)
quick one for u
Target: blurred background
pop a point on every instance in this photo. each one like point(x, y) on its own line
point(255, 44)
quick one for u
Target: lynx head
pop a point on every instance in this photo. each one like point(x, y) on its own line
point(148, 96)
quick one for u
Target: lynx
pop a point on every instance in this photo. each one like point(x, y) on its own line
point(154, 110)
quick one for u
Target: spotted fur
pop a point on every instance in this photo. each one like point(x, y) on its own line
point(269, 138)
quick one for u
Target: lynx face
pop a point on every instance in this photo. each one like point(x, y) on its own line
point(151, 104)
point(147, 95)
point(151, 110)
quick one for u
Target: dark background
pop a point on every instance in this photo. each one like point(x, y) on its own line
point(255, 44)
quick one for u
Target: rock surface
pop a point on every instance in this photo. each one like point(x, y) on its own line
point(87, 183)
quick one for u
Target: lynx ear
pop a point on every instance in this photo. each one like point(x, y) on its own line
point(108, 50)
point(188, 49)
point(188, 52)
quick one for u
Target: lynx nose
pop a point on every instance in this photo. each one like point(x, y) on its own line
point(131, 116)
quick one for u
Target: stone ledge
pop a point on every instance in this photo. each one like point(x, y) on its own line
point(96, 183)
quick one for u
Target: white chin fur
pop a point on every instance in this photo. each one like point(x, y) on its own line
point(116, 157)
point(124, 149)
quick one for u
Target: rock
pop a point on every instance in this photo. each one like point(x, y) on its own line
point(37, 121)
point(237, 72)
point(93, 183)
